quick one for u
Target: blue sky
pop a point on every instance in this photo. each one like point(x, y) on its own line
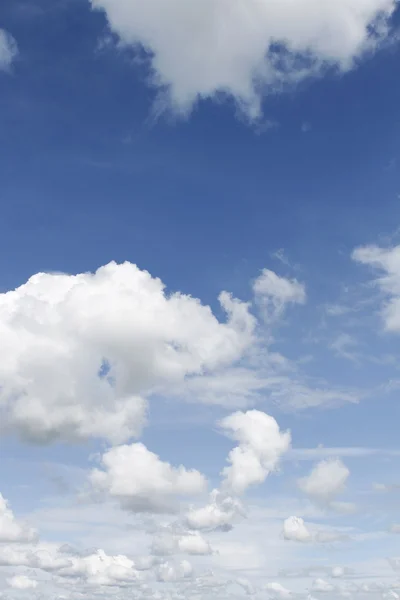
point(247, 148)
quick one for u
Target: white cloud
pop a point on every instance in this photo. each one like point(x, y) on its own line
point(22, 582)
point(261, 444)
point(141, 482)
point(80, 353)
point(386, 261)
point(167, 543)
point(326, 481)
point(274, 293)
point(8, 49)
point(194, 543)
point(171, 572)
point(100, 569)
point(320, 585)
point(338, 572)
point(295, 530)
point(277, 591)
point(217, 46)
point(221, 512)
point(10, 529)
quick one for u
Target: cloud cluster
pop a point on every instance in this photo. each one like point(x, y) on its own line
point(80, 354)
point(246, 47)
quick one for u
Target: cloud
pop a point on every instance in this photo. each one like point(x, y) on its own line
point(10, 529)
point(386, 262)
point(277, 591)
point(22, 582)
point(325, 482)
point(244, 48)
point(261, 444)
point(274, 293)
point(141, 482)
point(80, 354)
point(169, 572)
point(100, 569)
point(8, 50)
point(168, 543)
point(295, 530)
point(320, 585)
point(221, 512)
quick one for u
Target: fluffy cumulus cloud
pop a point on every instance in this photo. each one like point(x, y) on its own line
point(168, 543)
point(386, 264)
point(141, 482)
point(170, 572)
point(8, 49)
point(325, 482)
point(11, 530)
point(274, 293)
point(80, 354)
point(245, 47)
point(295, 530)
point(100, 569)
point(220, 513)
point(22, 582)
point(277, 591)
point(261, 443)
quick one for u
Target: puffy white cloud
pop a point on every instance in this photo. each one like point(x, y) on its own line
point(170, 572)
point(142, 482)
point(194, 543)
point(12, 530)
point(274, 293)
point(100, 569)
point(277, 591)
point(168, 543)
point(386, 262)
point(22, 582)
point(294, 529)
point(261, 444)
point(338, 572)
point(244, 48)
point(220, 513)
point(326, 480)
point(80, 353)
point(8, 49)
point(320, 585)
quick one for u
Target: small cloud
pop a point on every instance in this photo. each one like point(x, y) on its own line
point(305, 127)
point(8, 50)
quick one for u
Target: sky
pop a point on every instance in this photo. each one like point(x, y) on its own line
point(199, 299)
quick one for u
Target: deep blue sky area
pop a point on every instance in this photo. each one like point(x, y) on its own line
point(87, 176)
